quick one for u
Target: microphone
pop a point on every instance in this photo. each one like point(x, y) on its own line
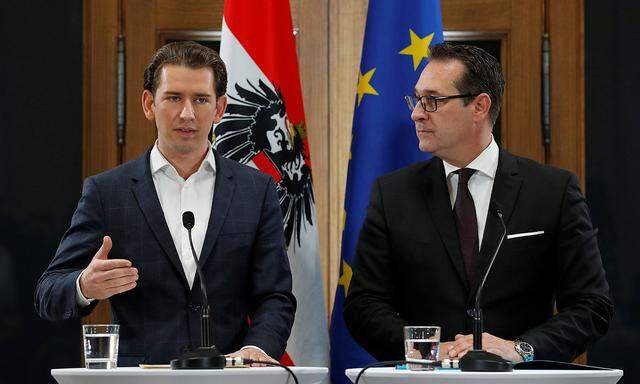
point(207, 356)
point(188, 221)
point(477, 360)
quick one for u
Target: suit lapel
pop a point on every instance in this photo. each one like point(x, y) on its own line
point(504, 195)
point(222, 196)
point(439, 203)
point(507, 184)
point(145, 194)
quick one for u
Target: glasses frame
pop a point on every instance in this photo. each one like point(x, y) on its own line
point(409, 99)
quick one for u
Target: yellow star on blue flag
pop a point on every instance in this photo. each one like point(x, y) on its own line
point(419, 48)
point(364, 85)
point(345, 278)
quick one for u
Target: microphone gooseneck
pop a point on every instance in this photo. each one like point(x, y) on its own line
point(188, 221)
point(493, 258)
point(477, 315)
point(476, 359)
point(207, 356)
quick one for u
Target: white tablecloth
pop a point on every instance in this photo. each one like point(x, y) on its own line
point(266, 375)
point(391, 375)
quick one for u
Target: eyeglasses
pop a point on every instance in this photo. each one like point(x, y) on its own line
point(430, 103)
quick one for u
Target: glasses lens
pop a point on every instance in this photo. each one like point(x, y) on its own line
point(429, 103)
point(411, 102)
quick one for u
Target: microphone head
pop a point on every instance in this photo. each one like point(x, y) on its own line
point(188, 220)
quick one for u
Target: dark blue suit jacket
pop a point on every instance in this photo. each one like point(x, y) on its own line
point(243, 258)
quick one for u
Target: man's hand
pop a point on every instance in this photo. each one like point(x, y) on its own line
point(463, 343)
point(104, 278)
point(444, 349)
point(253, 354)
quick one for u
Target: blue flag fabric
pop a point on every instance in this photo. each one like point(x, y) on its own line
point(397, 38)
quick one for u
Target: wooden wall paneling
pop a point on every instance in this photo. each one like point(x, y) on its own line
point(101, 28)
point(482, 15)
point(347, 21)
point(140, 43)
point(193, 15)
point(566, 31)
point(524, 80)
point(100, 151)
point(312, 20)
point(296, 7)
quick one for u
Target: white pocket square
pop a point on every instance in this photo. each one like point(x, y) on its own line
point(524, 234)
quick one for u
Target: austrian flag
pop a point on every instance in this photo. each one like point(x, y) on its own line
point(264, 127)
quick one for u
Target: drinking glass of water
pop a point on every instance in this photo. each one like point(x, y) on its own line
point(101, 345)
point(421, 344)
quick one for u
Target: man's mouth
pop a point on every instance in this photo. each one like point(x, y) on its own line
point(185, 130)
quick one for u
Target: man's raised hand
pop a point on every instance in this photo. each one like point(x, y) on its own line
point(105, 277)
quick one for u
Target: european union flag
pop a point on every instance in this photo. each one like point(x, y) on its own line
point(397, 38)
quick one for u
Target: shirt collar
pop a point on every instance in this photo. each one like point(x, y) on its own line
point(486, 162)
point(209, 161)
point(159, 163)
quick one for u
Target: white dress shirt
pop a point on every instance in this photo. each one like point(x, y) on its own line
point(177, 196)
point(480, 183)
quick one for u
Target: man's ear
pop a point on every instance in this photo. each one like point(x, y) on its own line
point(221, 105)
point(482, 106)
point(147, 105)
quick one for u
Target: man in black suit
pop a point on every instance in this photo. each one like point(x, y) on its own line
point(126, 242)
point(431, 229)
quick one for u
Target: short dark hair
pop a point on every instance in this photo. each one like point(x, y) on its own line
point(482, 72)
point(191, 55)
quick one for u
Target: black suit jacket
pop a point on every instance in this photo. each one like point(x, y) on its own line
point(409, 269)
point(243, 258)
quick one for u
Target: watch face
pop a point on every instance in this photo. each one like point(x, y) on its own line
point(525, 347)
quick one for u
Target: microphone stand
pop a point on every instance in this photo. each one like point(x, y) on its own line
point(477, 360)
point(207, 356)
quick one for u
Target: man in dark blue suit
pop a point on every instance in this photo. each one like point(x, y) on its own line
point(126, 242)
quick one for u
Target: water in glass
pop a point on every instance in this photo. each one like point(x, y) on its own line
point(101, 347)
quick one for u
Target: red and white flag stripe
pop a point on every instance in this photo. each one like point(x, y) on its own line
point(264, 126)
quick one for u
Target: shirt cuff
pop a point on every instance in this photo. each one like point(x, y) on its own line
point(80, 299)
point(254, 347)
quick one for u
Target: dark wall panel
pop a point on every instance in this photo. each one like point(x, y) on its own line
point(612, 59)
point(40, 176)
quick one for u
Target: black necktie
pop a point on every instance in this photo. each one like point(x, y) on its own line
point(467, 223)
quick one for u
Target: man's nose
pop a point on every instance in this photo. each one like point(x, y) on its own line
point(418, 113)
point(187, 111)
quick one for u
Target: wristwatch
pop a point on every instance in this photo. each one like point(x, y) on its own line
point(524, 349)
